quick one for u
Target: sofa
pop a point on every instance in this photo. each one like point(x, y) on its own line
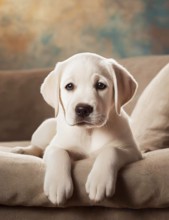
point(142, 189)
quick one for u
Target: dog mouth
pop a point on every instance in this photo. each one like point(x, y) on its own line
point(89, 122)
point(83, 123)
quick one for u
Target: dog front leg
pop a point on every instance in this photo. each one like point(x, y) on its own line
point(58, 185)
point(101, 180)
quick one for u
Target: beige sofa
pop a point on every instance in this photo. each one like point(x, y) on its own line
point(142, 190)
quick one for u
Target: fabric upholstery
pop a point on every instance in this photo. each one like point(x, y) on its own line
point(81, 213)
point(143, 184)
point(22, 107)
point(151, 115)
point(144, 69)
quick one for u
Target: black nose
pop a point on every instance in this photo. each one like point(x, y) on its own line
point(83, 110)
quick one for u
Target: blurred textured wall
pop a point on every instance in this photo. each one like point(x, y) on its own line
point(38, 33)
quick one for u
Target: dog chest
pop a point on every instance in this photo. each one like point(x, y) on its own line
point(81, 140)
point(74, 138)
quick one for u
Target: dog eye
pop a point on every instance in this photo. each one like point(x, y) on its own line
point(100, 86)
point(69, 86)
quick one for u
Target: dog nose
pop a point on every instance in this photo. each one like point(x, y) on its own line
point(83, 110)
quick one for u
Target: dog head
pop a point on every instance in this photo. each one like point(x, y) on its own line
point(87, 87)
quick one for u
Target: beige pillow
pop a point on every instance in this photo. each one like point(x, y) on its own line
point(150, 118)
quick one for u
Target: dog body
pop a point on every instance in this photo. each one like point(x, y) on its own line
point(87, 92)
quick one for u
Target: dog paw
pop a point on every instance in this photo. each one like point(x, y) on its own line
point(18, 150)
point(100, 184)
point(58, 189)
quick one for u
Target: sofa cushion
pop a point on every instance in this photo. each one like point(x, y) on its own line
point(150, 118)
point(143, 184)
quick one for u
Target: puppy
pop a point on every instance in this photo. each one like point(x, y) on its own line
point(87, 92)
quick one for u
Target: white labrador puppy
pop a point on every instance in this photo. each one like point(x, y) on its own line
point(87, 92)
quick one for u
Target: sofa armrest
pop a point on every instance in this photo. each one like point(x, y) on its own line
point(143, 184)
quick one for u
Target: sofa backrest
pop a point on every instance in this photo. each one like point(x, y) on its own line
point(22, 107)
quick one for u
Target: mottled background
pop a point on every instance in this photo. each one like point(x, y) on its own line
point(38, 33)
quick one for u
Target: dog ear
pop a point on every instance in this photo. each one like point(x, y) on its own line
point(125, 85)
point(50, 88)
